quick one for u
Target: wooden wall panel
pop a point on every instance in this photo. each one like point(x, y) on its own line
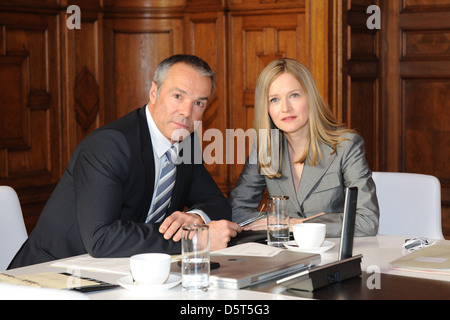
point(58, 84)
point(426, 4)
point(362, 114)
point(133, 48)
point(416, 91)
point(264, 4)
point(394, 85)
point(30, 106)
point(15, 118)
point(82, 56)
point(257, 40)
point(361, 78)
point(206, 34)
point(427, 126)
point(61, 83)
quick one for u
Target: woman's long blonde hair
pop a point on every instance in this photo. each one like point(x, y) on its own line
point(323, 126)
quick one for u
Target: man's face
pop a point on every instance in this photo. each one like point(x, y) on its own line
point(182, 100)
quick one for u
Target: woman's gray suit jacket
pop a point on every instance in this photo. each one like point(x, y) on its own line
point(321, 188)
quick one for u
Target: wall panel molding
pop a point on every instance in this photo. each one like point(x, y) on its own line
point(64, 83)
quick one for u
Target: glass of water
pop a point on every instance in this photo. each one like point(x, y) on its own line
point(277, 220)
point(195, 267)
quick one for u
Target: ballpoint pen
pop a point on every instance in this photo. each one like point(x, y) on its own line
point(260, 215)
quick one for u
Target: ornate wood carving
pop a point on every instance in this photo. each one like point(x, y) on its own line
point(86, 98)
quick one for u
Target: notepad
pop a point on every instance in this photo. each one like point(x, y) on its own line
point(86, 262)
point(250, 249)
point(435, 258)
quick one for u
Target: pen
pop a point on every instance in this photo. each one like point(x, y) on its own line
point(314, 216)
point(260, 215)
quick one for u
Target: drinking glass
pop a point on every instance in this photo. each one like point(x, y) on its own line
point(277, 220)
point(195, 258)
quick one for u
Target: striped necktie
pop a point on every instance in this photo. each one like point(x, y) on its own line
point(165, 187)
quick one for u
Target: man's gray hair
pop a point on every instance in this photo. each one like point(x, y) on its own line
point(195, 62)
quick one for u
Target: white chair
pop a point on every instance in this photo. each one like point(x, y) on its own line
point(410, 204)
point(12, 227)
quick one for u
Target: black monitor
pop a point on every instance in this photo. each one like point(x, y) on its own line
point(348, 223)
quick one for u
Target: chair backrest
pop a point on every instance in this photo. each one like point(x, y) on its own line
point(410, 204)
point(12, 227)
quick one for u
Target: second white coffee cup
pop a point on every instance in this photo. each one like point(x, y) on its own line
point(150, 268)
point(309, 235)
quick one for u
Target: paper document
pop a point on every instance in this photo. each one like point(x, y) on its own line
point(50, 280)
point(435, 258)
point(108, 265)
point(250, 249)
point(86, 262)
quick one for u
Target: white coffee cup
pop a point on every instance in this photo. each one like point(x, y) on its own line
point(150, 268)
point(309, 235)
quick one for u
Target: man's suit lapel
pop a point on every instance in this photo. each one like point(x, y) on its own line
point(148, 161)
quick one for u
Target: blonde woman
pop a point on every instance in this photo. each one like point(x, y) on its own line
point(312, 161)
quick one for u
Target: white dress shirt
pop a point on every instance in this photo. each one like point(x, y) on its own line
point(160, 146)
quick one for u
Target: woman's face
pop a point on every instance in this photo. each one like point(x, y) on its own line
point(288, 105)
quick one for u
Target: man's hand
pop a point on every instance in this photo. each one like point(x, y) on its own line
point(171, 226)
point(220, 232)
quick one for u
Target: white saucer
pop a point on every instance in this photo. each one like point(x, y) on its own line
point(127, 283)
point(326, 245)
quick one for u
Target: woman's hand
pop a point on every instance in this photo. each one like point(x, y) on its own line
point(261, 224)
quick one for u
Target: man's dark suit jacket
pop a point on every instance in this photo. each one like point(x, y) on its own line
point(101, 202)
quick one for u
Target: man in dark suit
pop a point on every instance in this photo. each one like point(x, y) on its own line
point(104, 203)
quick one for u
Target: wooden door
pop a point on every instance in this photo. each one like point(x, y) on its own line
point(416, 91)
